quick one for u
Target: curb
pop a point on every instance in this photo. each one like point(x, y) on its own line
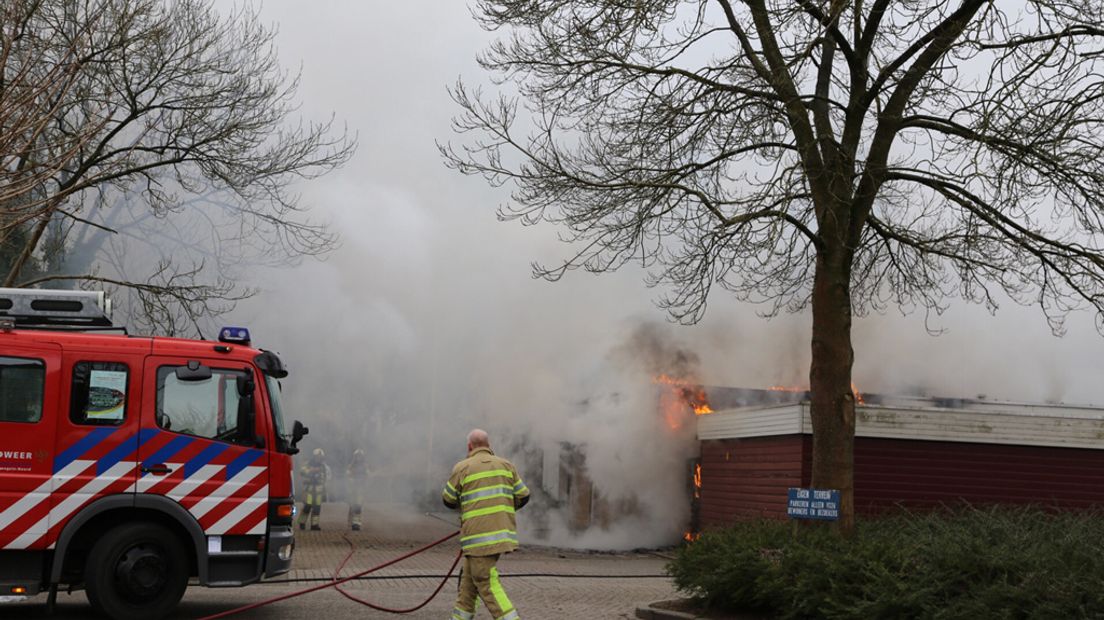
point(648, 612)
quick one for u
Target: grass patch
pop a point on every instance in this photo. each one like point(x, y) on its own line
point(995, 562)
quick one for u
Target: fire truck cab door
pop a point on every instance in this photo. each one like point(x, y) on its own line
point(201, 455)
point(97, 430)
point(30, 389)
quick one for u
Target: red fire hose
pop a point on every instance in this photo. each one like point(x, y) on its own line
point(352, 550)
point(335, 583)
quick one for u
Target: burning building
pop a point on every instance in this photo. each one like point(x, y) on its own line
point(590, 501)
point(677, 401)
point(747, 447)
point(584, 503)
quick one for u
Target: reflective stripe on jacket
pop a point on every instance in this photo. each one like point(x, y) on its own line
point(487, 489)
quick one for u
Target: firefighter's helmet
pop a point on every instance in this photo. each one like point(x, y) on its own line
point(358, 455)
point(318, 454)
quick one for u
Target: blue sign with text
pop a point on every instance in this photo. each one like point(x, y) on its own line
point(820, 504)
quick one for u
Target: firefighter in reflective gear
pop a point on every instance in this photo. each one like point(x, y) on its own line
point(356, 477)
point(313, 475)
point(487, 489)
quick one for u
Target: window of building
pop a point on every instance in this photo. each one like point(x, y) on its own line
point(99, 393)
point(22, 387)
point(208, 408)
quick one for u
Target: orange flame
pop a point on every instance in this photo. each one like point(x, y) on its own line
point(690, 535)
point(683, 394)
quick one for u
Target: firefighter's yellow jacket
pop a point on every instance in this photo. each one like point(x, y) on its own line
point(488, 490)
point(313, 476)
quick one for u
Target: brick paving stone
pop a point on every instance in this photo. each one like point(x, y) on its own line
point(590, 585)
point(391, 530)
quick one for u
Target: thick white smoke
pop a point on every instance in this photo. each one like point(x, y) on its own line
point(426, 323)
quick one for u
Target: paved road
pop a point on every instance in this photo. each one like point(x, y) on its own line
point(543, 583)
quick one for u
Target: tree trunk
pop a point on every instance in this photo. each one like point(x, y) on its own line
point(833, 402)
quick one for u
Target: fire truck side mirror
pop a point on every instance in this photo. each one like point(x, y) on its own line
point(298, 432)
point(194, 371)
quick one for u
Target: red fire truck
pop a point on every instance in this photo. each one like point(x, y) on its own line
point(133, 466)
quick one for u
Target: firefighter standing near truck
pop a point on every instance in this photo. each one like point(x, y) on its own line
point(488, 490)
point(313, 475)
point(356, 476)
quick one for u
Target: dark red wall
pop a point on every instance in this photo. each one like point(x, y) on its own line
point(925, 474)
point(748, 478)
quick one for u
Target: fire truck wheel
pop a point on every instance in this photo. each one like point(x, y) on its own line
point(136, 571)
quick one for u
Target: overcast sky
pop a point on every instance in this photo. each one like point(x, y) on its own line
point(428, 311)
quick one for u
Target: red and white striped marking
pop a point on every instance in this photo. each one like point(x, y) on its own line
point(71, 502)
point(235, 506)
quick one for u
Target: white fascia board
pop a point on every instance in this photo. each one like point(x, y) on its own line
point(752, 422)
point(1009, 424)
point(1010, 427)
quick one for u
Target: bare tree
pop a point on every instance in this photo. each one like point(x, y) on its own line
point(30, 154)
point(845, 157)
point(157, 101)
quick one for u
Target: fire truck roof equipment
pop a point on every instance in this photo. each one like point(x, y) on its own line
point(53, 308)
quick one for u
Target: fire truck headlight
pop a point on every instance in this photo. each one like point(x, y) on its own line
point(285, 552)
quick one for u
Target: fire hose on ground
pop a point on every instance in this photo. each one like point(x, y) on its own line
point(352, 550)
point(336, 583)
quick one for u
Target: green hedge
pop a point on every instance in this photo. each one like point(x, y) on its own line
point(973, 563)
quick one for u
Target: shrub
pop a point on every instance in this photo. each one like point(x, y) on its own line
point(972, 563)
